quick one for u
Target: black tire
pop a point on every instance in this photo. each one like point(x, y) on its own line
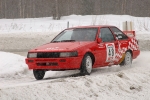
point(127, 60)
point(86, 65)
point(39, 74)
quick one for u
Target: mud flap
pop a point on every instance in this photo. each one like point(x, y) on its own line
point(123, 56)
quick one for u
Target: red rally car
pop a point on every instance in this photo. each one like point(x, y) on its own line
point(84, 48)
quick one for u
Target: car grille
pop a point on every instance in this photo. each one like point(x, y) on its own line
point(48, 64)
point(48, 55)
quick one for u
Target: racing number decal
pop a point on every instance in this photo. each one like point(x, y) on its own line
point(110, 50)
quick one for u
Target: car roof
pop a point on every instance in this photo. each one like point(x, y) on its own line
point(92, 26)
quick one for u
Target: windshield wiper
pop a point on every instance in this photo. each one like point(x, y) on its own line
point(67, 40)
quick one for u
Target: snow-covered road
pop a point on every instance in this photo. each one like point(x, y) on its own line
point(113, 83)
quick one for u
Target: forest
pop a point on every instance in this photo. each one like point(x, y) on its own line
point(58, 8)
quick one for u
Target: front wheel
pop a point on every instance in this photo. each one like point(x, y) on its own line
point(86, 66)
point(127, 60)
point(39, 74)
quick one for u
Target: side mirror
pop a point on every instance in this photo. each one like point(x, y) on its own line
point(99, 40)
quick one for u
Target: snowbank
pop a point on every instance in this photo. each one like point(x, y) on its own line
point(47, 24)
point(12, 65)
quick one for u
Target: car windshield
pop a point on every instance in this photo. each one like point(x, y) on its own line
point(78, 34)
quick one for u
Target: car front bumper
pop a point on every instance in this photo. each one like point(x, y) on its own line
point(54, 63)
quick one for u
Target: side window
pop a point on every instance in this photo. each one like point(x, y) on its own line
point(106, 35)
point(119, 34)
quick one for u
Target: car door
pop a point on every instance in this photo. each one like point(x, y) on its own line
point(122, 42)
point(108, 46)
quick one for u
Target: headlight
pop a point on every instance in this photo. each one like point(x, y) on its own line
point(69, 54)
point(32, 55)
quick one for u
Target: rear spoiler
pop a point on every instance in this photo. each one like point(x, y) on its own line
point(130, 33)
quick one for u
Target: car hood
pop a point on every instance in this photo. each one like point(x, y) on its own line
point(60, 46)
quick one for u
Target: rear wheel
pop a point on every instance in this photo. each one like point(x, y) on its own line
point(127, 60)
point(39, 74)
point(86, 66)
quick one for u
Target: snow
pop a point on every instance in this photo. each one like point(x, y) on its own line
point(12, 65)
point(47, 24)
point(106, 83)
